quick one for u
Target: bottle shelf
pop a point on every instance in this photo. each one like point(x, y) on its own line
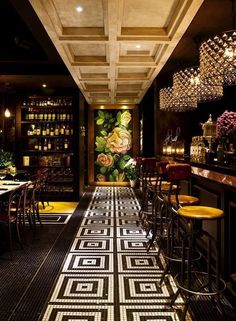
point(47, 136)
point(47, 166)
point(49, 121)
point(37, 121)
point(25, 151)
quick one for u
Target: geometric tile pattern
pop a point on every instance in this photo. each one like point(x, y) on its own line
point(107, 274)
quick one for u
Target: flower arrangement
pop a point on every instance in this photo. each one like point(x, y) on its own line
point(131, 169)
point(226, 124)
point(112, 145)
point(6, 158)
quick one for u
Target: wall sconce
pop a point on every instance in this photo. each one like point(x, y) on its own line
point(82, 130)
point(7, 113)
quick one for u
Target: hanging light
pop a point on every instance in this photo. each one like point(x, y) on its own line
point(189, 83)
point(218, 57)
point(178, 102)
point(7, 113)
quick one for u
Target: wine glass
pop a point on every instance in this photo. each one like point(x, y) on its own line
point(13, 171)
point(3, 173)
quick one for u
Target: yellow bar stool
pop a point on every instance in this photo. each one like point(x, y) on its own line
point(197, 280)
point(172, 231)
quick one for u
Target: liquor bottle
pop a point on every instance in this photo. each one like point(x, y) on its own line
point(56, 130)
point(45, 116)
point(40, 146)
point(49, 144)
point(34, 131)
point(49, 115)
point(38, 130)
point(67, 130)
point(53, 118)
point(47, 130)
point(40, 117)
point(66, 144)
point(57, 146)
point(63, 115)
point(62, 130)
point(44, 133)
point(68, 116)
point(52, 131)
point(36, 146)
point(32, 114)
point(45, 145)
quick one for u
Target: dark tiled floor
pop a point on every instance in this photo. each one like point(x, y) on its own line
point(105, 276)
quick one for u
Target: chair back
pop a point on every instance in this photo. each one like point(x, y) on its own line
point(178, 172)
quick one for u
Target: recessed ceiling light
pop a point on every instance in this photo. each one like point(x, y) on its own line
point(101, 107)
point(79, 9)
point(138, 46)
point(44, 85)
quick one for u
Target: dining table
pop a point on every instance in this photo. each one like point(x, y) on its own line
point(7, 186)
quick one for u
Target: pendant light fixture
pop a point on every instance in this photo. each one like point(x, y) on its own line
point(177, 103)
point(188, 82)
point(218, 57)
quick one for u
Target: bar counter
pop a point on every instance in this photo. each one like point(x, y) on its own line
point(219, 174)
point(216, 186)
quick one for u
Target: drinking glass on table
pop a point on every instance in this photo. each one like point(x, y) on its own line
point(13, 171)
point(3, 173)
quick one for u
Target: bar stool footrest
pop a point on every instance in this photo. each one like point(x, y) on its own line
point(200, 284)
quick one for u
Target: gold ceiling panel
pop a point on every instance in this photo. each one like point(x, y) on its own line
point(114, 49)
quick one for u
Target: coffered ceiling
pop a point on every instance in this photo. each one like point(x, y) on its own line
point(114, 49)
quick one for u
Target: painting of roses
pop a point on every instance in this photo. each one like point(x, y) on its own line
point(113, 144)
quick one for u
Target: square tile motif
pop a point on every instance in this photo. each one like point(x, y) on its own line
point(130, 232)
point(138, 263)
point(128, 221)
point(80, 313)
point(146, 313)
point(97, 221)
point(91, 214)
point(74, 288)
point(90, 245)
point(143, 289)
point(95, 232)
point(90, 262)
point(124, 214)
point(127, 245)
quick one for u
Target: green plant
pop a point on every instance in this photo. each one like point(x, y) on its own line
point(130, 169)
point(6, 158)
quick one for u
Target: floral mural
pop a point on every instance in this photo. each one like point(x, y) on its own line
point(113, 144)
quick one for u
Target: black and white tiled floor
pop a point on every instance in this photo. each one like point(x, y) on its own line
point(107, 274)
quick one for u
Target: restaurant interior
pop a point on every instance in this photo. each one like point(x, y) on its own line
point(117, 160)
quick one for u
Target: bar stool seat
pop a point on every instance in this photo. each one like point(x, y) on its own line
point(200, 212)
point(183, 200)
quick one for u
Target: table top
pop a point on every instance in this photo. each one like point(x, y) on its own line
point(7, 186)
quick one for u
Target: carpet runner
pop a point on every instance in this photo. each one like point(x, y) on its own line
point(107, 274)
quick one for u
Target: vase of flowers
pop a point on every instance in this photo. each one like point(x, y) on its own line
point(131, 171)
point(226, 130)
point(226, 126)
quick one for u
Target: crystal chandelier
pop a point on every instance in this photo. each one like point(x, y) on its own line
point(189, 83)
point(177, 103)
point(218, 57)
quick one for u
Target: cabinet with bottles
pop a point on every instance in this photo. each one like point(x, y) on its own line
point(47, 140)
